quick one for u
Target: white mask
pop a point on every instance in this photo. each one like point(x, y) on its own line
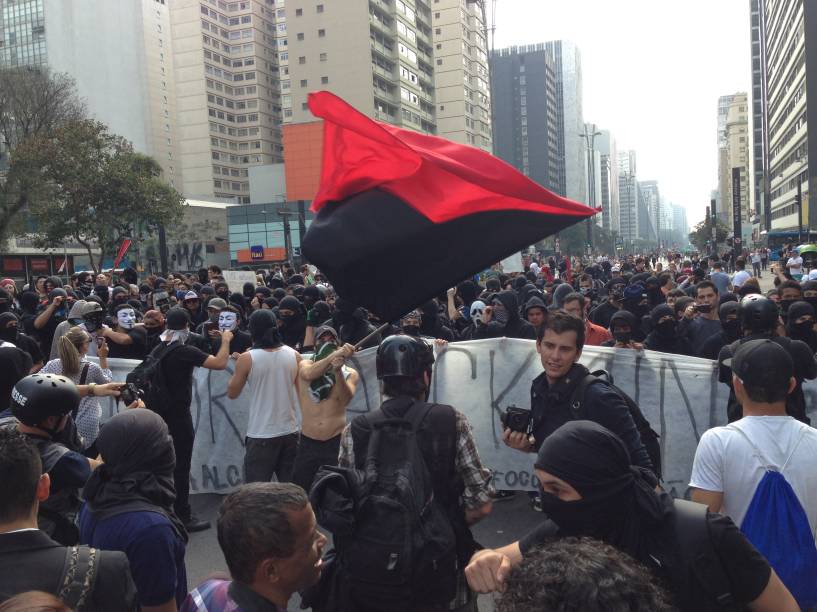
point(227, 321)
point(477, 308)
point(126, 318)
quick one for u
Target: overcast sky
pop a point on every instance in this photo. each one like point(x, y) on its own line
point(653, 71)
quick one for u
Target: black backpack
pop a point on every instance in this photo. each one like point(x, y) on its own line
point(396, 547)
point(150, 378)
point(649, 437)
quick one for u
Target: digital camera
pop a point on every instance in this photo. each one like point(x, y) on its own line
point(516, 419)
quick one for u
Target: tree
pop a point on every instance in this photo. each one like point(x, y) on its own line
point(33, 103)
point(701, 234)
point(98, 187)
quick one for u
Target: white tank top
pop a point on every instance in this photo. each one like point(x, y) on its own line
point(273, 398)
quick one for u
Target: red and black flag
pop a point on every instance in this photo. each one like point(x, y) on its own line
point(401, 216)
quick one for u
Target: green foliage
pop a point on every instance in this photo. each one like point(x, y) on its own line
point(96, 189)
point(701, 234)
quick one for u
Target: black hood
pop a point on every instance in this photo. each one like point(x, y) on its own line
point(510, 302)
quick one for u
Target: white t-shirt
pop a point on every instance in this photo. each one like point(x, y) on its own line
point(740, 277)
point(796, 265)
point(274, 405)
point(755, 257)
point(725, 461)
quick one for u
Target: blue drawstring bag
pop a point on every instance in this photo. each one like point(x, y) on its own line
point(777, 525)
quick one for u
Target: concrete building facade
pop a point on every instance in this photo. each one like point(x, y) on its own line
point(376, 55)
point(605, 144)
point(789, 52)
point(461, 73)
point(737, 157)
point(118, 53)
point(629, 197)
point(527, 129)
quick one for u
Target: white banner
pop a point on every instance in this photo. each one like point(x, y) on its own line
point(235, 279)
point(680, 396)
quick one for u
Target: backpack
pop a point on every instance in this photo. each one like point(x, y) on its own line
point(78, 576)
point(149, 376)
point(649, 437)
point(396, 546)
point(777, 525)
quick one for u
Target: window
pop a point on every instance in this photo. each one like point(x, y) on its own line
point(302, 60)
point(324, 80)
point(300, 35)
point(303, 82)
point(299, 12)
point(323, 57)
point(304, 106)
point(319, 8)
point(321, 33)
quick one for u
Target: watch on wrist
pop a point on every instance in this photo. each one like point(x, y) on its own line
point(92, 389)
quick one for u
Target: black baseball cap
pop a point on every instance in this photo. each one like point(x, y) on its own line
point(762, 363)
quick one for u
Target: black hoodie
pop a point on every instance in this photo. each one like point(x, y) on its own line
point(515, 327)
point(666, 341)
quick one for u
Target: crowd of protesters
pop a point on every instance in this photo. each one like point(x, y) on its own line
point(75, 488)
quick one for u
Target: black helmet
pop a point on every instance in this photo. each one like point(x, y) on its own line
point(403, 356)
point(39, 396)
point(757, 313)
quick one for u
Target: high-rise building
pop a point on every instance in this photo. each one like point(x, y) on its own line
point(759, 186)
point(606, 146)
point(376, 55)
point(629, 198)
point(680, 227)
point(788, 40)
point(527, 128)
point(461, 76)
point(724, 174)
point(118, 53)
point(568, 71)
point(230, 64)
point(737, 161)
point(651, 199)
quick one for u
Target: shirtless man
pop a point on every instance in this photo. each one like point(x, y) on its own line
point(325, 388)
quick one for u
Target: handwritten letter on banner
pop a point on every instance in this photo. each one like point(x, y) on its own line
point(680, 396)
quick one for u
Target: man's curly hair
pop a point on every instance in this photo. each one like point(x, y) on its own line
point(582, 575)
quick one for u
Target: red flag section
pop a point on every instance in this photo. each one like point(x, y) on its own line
point(122, 250)
point(401, 217)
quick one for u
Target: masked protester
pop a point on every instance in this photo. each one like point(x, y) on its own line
point(636, 300)
point(502, 319)
point(431, 324)
point(10, 335)
point(223, 290)
point(800, 324)
point(126, 339)
point(129, 505)
point(536, 312)
point(352, 325)
point(293, 328)
point(119, 295)
point(664, 335)
point(622, 327)
point(590, 488)
point(602, 313)
point(270, 369)
point(730, 324)
point(326, 387)
point(230, 319)
point(154, 322)
point(49, 316)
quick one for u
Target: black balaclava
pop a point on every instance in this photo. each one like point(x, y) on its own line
point(633, 298)
point(137, 473)
point(9, 332)
point(294, 325)
point(310, 295)
point(322, 312)
point(429, 321)
point(667, 329)
point(119, 295)
point(264, 331)
point(731, 328)
point(623, 316)
point(62, 311)
point(270, 302)
point(344, 311)
point(801, 331)
point(29, 300)
point(511, 303)
point(619, 503)
point(248, 290)
point(102, 292)
point(6, 301)
point(654, 293)
point(279, 294)
point(810, 286)
point(295, 279)
point(468, 291)
point(223, 291)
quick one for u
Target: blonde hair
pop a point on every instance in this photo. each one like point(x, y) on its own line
point(68, 350)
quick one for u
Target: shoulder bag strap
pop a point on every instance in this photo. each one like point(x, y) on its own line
point(577, 398)
point(766, 463)
point(82, 378)
point(79, 576)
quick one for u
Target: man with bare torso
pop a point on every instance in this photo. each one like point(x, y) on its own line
point(325, 388)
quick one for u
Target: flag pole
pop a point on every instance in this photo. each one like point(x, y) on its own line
point(380, 329)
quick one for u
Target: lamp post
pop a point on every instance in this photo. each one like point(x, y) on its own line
point(589, 137)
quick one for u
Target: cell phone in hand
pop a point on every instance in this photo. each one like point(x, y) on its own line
point(100, 340)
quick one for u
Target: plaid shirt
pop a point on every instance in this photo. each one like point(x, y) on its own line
point(477, 479)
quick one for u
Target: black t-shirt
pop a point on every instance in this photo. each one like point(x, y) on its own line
point(137, 350)
point(28, 345)
point(14, 365)
point(241, 342)
point(746, 569)
point(178, 368)
point(45, 336)
point(602, 314)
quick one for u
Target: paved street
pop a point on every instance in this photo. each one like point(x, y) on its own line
point(510, 520)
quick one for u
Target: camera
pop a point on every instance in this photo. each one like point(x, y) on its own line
point(516, 419)
point(209, 326)
point(129, 394)
point(703, 308)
